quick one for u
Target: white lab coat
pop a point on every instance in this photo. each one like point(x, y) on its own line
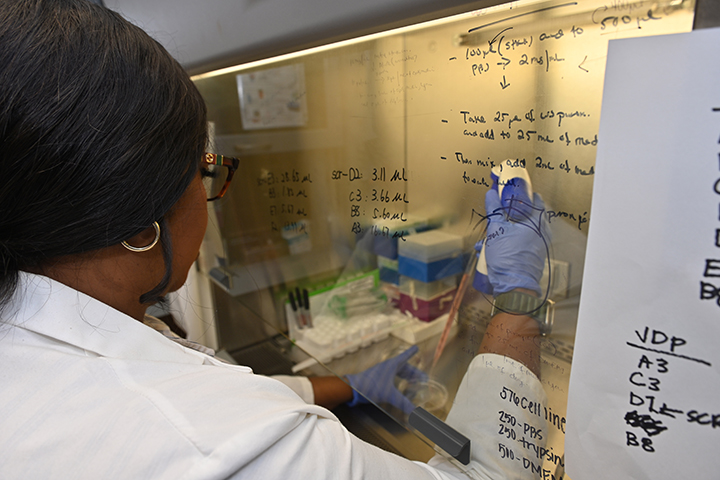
point(88, 392)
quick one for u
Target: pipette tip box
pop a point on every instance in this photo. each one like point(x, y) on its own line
point(389, 234)
point(427, 309)
point(431, 255)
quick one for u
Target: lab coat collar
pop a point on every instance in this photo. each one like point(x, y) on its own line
point(50, 308)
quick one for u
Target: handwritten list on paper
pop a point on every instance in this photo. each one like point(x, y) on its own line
point(523, 427)
point(645, 378)
point(651, 415)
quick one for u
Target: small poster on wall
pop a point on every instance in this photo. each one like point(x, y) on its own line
point(273, 98)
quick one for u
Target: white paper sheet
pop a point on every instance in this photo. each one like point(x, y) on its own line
point(644, 400)
point(273, 98)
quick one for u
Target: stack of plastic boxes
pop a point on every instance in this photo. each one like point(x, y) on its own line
point(429, 265)
point(389, 234)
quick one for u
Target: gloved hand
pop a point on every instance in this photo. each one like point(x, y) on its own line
point(517, 241)
point(377, 383)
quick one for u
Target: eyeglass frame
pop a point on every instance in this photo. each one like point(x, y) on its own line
point(231, 163)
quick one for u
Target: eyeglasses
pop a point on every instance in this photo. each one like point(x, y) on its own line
point(216, 179)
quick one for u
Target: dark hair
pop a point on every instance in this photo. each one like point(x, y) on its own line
point(101, 133)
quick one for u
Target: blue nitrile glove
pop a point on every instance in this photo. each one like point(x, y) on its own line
point(377, 383)
point(517, 241)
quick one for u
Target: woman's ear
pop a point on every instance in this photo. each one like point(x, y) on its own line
point(144, 239)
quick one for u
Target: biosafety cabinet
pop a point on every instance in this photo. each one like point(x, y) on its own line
point(348, 234)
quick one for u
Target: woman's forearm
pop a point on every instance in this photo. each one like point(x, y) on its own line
point(514, 336)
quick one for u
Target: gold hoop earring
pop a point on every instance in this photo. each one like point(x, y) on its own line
point(146, 247)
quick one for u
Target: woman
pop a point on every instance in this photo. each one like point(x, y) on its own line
point(102, 213)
